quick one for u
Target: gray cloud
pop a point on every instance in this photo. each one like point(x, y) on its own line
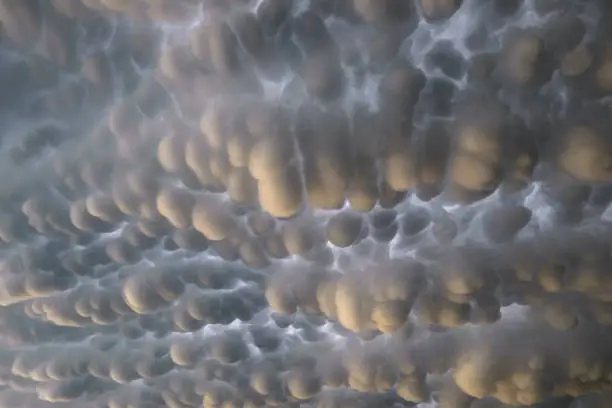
point(288, 203)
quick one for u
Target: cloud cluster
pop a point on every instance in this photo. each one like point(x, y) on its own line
point(305, 203)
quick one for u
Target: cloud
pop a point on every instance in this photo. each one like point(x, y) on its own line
point(249, 203)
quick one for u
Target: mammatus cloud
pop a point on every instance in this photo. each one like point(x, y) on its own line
point(305, 203)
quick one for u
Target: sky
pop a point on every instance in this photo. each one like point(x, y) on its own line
point(305, 203)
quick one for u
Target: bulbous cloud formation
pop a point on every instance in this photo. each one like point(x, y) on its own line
point(305, 203)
